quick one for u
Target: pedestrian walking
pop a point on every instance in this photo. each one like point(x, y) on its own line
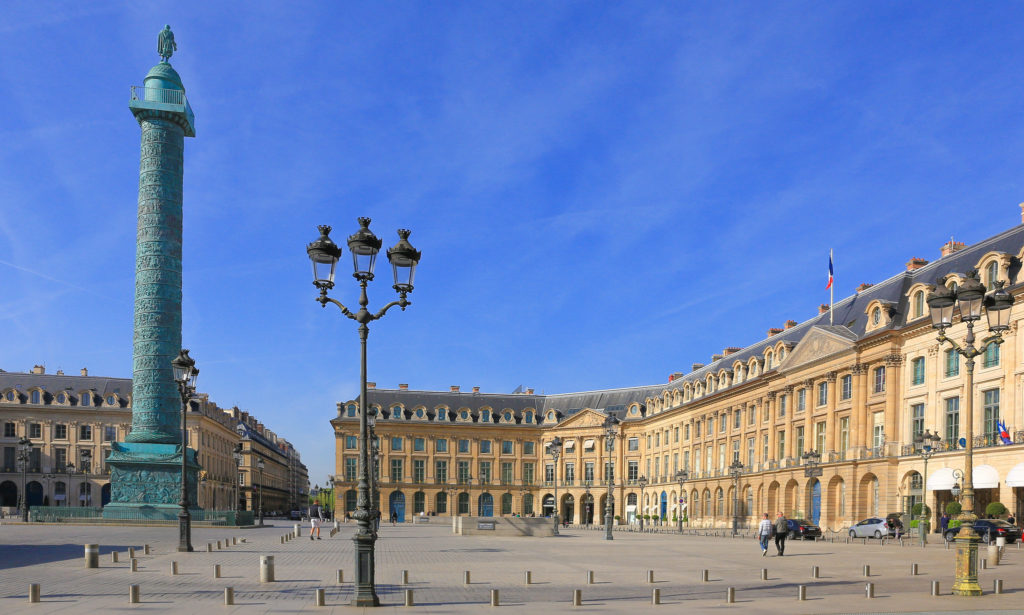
point(944, 523)
point(316, 517)
point(781, 531)
point(394, 516)
point(764, 532)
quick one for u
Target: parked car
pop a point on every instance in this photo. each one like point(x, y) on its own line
point(802, 528)
point(874, 527)
point(989, 530)
point(296, 515)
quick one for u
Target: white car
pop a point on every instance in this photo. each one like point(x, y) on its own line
point(870, 528)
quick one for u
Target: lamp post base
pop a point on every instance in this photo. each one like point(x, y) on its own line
point(966, 583)
point(365, 590)
point(184, 532)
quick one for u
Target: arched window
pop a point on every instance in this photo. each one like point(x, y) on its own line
point(631, 499)
point(874, 496)
point(86, 399)
point(350, 500)
point(527, 417)
point(719, 503)
point(351, 410)
point(419, 502)
point(463, 503)
point(750, 502)
point(506, 503)
point(919, 304)
point(768, 361)
point(35, 397)
point(528, 504)
point(440, 503)
point(991, 275)
point(60, 493)
point(876, 316)
point(61, 398)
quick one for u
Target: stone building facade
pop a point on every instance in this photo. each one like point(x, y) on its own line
point(72, 420)
point(856, 389)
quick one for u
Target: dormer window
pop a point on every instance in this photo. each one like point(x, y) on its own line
point(876, 316)
point(35, 397)
point(991, 275)
point(918, 304)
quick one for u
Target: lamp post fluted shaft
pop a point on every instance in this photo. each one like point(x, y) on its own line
point(24, 455)
point(609, 505)
point(184, 517)
point(554, 455)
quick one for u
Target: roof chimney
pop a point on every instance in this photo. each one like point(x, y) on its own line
point(952, 246)
point(916, 263)
point(60, 372)
point(696, 366)
point(476, 389)
point(455, 388)
point(730, 350)
point(823, 308)
point(403, 387)
point(529, 391)
point(38, 369)
point(790, 324)
point(674, 375)
point(774, 331)
point(864, 286)
point(371, 385)
point(85, 371)
point(715, 357)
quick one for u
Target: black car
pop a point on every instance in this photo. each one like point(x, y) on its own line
point(802, 528)
point(989, 530)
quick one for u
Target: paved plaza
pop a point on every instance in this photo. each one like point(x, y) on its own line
point(52, 555)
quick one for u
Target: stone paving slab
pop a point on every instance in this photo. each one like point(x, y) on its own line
point(52, 555)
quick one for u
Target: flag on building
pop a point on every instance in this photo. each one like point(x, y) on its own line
point(830, 272)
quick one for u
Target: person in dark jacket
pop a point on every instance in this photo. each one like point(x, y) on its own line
point(944, 523)
point(316, 517)
point(781, 531)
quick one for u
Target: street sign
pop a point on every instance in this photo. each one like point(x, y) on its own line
point(812, 472)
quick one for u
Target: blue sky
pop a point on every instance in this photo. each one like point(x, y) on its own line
point(604, 193)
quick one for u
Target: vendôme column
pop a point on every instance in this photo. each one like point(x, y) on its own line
point(145, 468)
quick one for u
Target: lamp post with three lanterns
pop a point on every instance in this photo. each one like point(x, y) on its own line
point(925, 444)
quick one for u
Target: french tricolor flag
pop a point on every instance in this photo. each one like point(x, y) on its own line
point(830, 272)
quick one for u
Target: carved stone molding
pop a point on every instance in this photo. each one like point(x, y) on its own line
point(859, 369)
point(770, 395)
point(788, 388)
point(894, 360)
point(831, 376)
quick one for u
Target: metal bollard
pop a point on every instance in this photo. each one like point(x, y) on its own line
point(577, 597)
point(913, 570)
point(297, 530)
point(209, 547)
point(869, 590)
point(494, 598)
point(174, 568)
point(529, 577)
point(218, 545)
point(282, 540)
point(113, 557)
point(266, 569)
point(704, 576)
point(405, 577)
point(650, 576)
point(801, 592)
point(867, 570)
point(33, 592)
point(997, 586)
point(815, 572)
point(145, 549)
point(590, 577)
point(465, 577)
point(935, 588)
point(318, 597)
point(764, 574)
point(131, 552)
point(730, 595)
point(341, 576)
point(133, 594)
point(655, 596)
point(408, 598)
point(234, 540)
point(92, 556)
point(216, 571)
point(984, 564)
point(229, 595)
point(135, 565)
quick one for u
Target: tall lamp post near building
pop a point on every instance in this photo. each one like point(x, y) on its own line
point(86, 491)
point(924, 444)
point(735, 470)
point(324, 254)
point(681, 477)
point(611, 429)
point(642, 481)
point(237, 456)
point(185, 374)
point(555, 449)
point(371, 422)
point(968, 299)
point(24, 456)
point(259, 469)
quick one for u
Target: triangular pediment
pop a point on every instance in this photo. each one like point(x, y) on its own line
point(585, 418)
point(818, 344)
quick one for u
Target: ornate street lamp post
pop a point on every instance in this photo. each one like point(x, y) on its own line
point(371, 422)
point(24, 456)
point(237, 456)
point(969, 298)
point(925, 444)
point(555, 449)
point(185, 374)
point(86, 467)
point(611, 432)
point(681, 477)
point(324, 254)
point(735, 470)
point(642, 481)
point(259, 468)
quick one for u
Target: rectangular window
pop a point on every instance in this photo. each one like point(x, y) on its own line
point(799, 440)
point(782, 406)
point(823, 393)
point(844, 433)
point(633, 471)
point(351, 442)
point(419, 470)
point(507, 472)
point(991, 409)
point(529, 447)
point(351, 468)
point(35, 431)
point(569, 473)
point(686, 432)
point(750, 451)
point(462, 472)
point(686, 460)
point(85, 432)
point(708, 459)
point(953, 421)
point(878, 431)
point(736, 450)
point(751, 415)
point(441, 471)
point(721, 424)
point(781, 445)
point(9, 430)
point(441, 445)
point(549, 473)
point(609, 470)
point(819, 437)
point(765, 453)
point(60, 432)
point(847, 388)
point(801, 400)
point(675, 435)
point(916, 420)
point(110, 433)
point(737, 417)
point(485, 472)
point(60, 459)
point(648, 465)
point(588, 472)
point(675, 462)
point(419, 445)
point(508, 447)
point(991, 355)
point(721, 457)
point(657, 468)
point(696, 430)
point(396, 444)
point(879, 379)
point(917, 368)
point(657, 439)
point(528, 473)
point(952, 363)
point(463, 446)
point(633, 444)
point(485, 447)
point(396, 470)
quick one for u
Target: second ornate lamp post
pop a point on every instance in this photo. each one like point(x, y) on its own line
point(681, 477)
point(969, 298)
point(259, 467)
point(237, 456)
point(555, 449)
point(24, 456)
point(611, 432)
point(185, 374)
point(735, 470)
point(324, 254)
point(642, 481)
point(925, 444)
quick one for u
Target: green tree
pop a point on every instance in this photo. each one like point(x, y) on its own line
point(995, 509)
point(953, 508)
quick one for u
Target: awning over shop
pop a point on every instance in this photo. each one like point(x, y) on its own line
point(941, 480)
point(985, 477)
point(1016, 476)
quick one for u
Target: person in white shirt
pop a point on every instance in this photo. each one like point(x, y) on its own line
point(764, 532)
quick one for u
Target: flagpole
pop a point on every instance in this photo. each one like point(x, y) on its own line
point(831, 289)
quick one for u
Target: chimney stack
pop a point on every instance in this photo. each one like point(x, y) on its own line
point(696, 366)
point(823, 308)
point(529, 391)
point(674, 375)
point(790, 324)
point(916, 263)
point(864, 286)
point(715, 357)
point(371, 385)
point(455, 388)
point(774, 331)
point(476, 389)
point(952, 246)
point(38, 369)
point(403, 387)
point(730, 350)
point(60, 372)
